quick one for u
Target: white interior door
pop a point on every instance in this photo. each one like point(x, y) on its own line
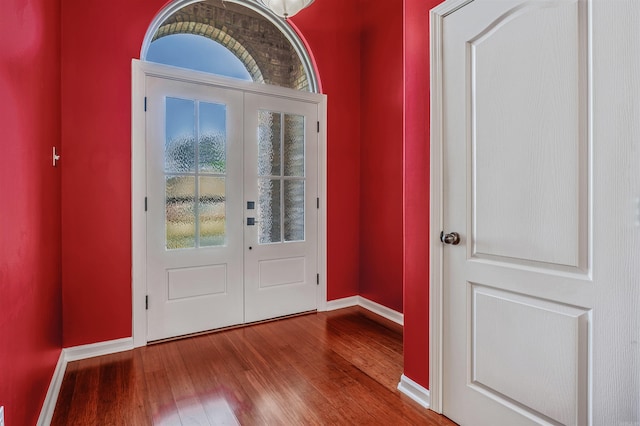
point(281, 189)
point(540, 321)
point(194, 208)
point(232, 218)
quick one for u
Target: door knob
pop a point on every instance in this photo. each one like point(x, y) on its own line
point(452, 238)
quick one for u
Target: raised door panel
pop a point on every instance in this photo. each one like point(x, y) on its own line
point(529, 354)
point(529, 136)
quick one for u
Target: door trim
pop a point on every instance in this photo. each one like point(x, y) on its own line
point(139, 71)
point(436, 213)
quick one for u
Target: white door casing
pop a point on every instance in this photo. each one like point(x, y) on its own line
point(216, 90)
point(535, 312)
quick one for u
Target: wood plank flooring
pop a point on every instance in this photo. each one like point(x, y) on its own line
point(328, 368)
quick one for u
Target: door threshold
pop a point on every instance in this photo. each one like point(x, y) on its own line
point(231, 327)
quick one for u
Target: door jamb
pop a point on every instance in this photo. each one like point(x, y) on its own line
point(139, 71)
point(436, 278)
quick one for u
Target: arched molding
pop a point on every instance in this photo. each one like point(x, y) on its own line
point(307, 80)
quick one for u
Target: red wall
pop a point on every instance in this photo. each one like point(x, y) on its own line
point(362, 74)
point(416, 189)
point(331, 30)
point(97, 46)
point(375, 245)
point(30, 307)
point(381, 153)
point(98, 42)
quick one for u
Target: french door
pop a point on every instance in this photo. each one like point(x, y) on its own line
point(231, 181)
point(281, 181)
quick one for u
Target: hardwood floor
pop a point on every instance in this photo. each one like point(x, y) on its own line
point(329, 368)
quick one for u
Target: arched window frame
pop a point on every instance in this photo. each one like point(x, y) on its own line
point(255, 5)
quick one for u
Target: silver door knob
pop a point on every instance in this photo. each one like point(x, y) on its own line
point(452, 238)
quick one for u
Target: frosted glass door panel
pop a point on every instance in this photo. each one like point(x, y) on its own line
point(180, 211)
point(269, 137)
point(211, 211)
point(293, 210)
point(180, 135)
point(269, 211)
point(212, 141)
point(293, 145)
point(281, 177)
point(190, 224)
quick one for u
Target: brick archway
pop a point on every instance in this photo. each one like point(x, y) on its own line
point(267, 53)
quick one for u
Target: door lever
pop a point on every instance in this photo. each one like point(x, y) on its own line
point(452, 238)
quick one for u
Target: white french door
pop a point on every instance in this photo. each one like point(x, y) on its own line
point(281, 175)
point(194, 208)
point(231, 206)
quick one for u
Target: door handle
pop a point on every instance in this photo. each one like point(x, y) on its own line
point(452, 238)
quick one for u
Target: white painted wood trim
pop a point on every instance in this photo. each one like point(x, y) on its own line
point(98, 349)
point(50, 400)
point(199, 77)
point(322, 213)
point(74, 354)
point(381, 310)
point(346, 302)
point(414, 391)
point(436, 224)
point(138, 219)
point(367, 304)
point(139, 71)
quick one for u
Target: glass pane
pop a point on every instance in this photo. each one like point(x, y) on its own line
point(269, 132)
point(180, 212)
point(179, 147)
point(269, 210)
point(213, 138)
point(294, 210)
point(212, 211)
point(227, 38)
point(293, 145)
point(197, 53)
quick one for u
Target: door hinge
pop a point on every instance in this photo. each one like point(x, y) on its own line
point(145, 204)
point(145, 103)
point(317, 279)
point(146, 302)
point(318, 127)
point(317, 203)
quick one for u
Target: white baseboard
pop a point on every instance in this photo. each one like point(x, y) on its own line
point(381, 310)
point(49, 404)
point(367, 304)
point(74, 354)
point(414, 391)
point(97, 349)
point(346, 302)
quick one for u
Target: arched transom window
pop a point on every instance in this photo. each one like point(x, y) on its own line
point(234, 38)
